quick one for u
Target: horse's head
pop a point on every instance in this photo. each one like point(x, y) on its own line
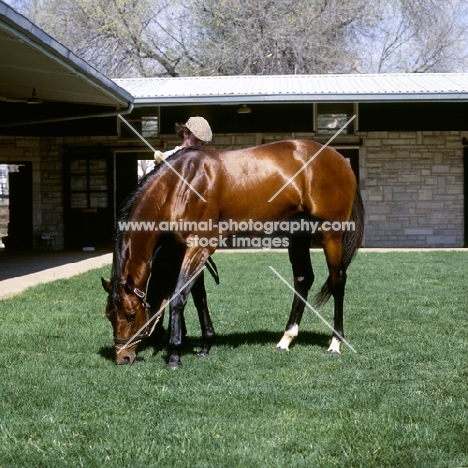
point(128, 312)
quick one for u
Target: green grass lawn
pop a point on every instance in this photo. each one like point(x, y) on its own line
point(400, 401)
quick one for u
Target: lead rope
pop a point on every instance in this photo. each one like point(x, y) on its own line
point(132, 341)
point(157, 315)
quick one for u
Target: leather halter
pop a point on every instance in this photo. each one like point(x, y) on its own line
point(147, 330)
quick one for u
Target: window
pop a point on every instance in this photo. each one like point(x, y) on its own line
point(332, 117)
point(145, 121)
point(88, 183)
point(149, 127)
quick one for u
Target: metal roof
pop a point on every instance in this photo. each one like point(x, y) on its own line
point(297, 88)
point(31, 59)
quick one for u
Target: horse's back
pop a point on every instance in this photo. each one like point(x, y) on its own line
point(308, 175)
point(282, 156)
point(285, 155)
point(305, 175)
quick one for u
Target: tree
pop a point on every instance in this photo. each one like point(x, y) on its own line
point(131, 38)
point(414, 36)
point(119, 37)
point(259, 37)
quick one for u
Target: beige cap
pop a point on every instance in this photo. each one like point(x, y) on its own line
point(200, 128)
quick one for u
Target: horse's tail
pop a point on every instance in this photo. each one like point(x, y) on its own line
point(353, 236)
point(352, 240)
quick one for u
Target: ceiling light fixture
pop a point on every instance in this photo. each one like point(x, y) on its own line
point(244, 109)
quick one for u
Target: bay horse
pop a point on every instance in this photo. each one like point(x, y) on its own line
point(280, 181)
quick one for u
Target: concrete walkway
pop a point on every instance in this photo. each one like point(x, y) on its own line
point(19, 271)
point(22, 270)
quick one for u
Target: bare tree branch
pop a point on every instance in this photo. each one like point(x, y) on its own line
point(224, 37)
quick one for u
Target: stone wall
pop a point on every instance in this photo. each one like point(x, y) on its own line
point(412, 185)
point(49, 213)
point(47, 191)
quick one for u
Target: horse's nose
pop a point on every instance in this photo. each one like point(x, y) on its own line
point(126, 356)
point(125, 360)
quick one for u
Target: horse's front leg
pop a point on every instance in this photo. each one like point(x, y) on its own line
point(176, 328)
point(199, 298)
point(191, 267)
point(167, 259)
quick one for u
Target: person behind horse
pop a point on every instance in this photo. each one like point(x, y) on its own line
point(195, 132)
point(168, 256)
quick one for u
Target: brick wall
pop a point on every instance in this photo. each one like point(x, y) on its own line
point(412, 185)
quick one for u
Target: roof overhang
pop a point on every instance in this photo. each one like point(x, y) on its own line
point(428, 87)
point(31, 60)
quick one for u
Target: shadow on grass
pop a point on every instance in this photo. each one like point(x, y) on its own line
point(233, 340)
point(264, 337)
point(108, 353)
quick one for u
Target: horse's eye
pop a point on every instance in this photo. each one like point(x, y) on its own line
point(132, 317)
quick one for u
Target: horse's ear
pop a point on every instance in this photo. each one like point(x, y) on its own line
point(130, 284)
point(106, 285)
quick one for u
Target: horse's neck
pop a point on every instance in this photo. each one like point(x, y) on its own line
point(138, 246)
point(137, 257)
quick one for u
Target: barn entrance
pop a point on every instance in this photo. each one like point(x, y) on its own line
point(89, 199)
point(16, 219)
point(97, 181)
point(465, 189)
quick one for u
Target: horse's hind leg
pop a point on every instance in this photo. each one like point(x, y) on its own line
point(199, 298)
point(299, 256)
point(335, 285)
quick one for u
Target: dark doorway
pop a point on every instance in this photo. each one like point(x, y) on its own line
point(465, 191)
point(126, 175)
point(352, 155)
point(89, 200)
point(20, 224)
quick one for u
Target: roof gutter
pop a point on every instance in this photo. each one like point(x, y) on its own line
point(168, 101)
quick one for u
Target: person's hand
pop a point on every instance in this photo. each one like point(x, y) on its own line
point(158, 156)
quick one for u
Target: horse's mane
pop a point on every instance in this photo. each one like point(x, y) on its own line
point(124, 213)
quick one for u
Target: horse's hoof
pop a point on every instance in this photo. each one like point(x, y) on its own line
point(201, 355)
point(334, 352)
point(281, 350)
point(174, 364)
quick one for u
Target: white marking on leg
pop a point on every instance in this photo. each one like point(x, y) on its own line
point(335, 346)
point(288, 336)
point(311, 308)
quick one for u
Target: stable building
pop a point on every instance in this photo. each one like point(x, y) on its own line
point(72, 160)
